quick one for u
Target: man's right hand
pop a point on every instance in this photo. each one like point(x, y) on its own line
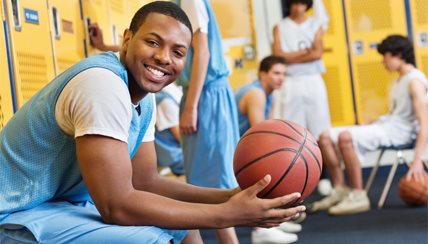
point(246, 209)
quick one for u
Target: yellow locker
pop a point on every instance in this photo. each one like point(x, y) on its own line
point(96, 11)
point(368, 23)
point(6, 105)
point(237, 31)
point(337, 76)
point(133, 6)
point(67, 33)
point(118, 19)
point(31, 46)
point(419, 21)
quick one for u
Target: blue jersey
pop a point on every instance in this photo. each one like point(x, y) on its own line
point(244, 123)
point(37, 160)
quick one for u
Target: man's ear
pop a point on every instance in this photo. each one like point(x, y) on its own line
point(127, 36)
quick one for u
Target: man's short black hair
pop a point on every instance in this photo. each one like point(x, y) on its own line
point(398, 45)
point(267, 63)
point(161, 7)
point(288, 3)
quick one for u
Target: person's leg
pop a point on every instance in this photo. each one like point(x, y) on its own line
point(193, 237)
point(226, 236)
point(350, 158)
point(63, 222)
point(331, 159)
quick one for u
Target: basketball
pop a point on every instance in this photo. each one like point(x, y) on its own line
point(283, 149)
point(414, 193)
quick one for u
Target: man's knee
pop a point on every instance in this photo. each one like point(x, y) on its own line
point(193, 236)
point(325, 140)
point(345, 140)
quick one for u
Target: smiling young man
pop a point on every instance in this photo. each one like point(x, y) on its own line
point(78, 162)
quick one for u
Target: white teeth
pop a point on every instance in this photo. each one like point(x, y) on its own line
point(156, 72)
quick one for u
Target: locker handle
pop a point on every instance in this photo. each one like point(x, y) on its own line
point(16, 15)
point(55, 20)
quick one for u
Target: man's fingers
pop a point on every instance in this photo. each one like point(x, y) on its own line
point(259, 186)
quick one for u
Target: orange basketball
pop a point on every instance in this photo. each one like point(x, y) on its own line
point(283, 149)
point(414, 193)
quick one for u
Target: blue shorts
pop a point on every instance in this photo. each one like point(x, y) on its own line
point(63, 222)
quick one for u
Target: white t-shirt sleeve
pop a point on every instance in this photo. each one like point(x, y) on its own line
point(150, 133)
point(198, 16)
point(96, 101)
point(167, 114)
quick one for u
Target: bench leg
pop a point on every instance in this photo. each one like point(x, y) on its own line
point(373, 172)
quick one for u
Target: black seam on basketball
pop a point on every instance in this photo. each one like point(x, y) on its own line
point(286, 136)
point(289, 167)
point(298, 132)
point(262, 157)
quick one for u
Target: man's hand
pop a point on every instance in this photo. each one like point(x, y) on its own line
point(188, 121)
point(246, 209)
point(96, 37)
point(416, 171)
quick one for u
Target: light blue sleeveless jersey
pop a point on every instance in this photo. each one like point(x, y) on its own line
point(244, 123)
point(37, 160)
point(217, 67)
point(208, 153)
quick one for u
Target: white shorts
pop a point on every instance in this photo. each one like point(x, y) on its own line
point(303, 99)
point(368, 138)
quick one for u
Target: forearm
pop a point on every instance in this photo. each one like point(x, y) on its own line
point(187, 192)
point(421, 142)
point(148, 209)
point(199, 70)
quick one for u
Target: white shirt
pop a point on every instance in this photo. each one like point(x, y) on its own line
point(168, 111)
point(198, 16)
point(90, 105)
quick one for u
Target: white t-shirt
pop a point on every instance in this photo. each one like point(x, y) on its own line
point(168, 111)
point(198, 16)
point(90, 105)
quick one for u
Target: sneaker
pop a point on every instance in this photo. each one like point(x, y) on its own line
point(290, 227)
point(324, 187)
point(355, 202)
point(272, 235)
point(337, 194)
point(298, 220)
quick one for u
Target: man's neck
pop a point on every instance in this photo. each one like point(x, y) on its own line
point(406, 68)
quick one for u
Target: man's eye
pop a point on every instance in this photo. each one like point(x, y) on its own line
point(152, 43)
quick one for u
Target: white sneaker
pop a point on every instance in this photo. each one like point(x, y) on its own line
point(272, 235)
point(290, 227)
point(337, 194)
point(324, 187)
point(356, 201)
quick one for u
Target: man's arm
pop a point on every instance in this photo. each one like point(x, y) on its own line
point(97, 40)
point(301, 56)
point(420, 106)
point(126, 193)
point(254, 106)
point(201, 57)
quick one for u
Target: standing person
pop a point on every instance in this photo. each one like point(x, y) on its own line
point(167, 135)
point(407, 119)
point(208, 121)
point(78, 162)
point(303, 98)
point(254, 103)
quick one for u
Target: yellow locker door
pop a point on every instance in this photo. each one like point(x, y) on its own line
point(96, 11)
point(419, 21)
point(67, 33)
point(31, 46)
point(237, 31)
point(337, 76)
point(6, 105)
point(368, 23)
point(133, 6)
point(118, 19)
